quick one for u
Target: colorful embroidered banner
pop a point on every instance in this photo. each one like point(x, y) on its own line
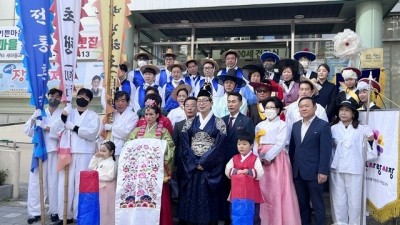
point(36, 29)
point(139, 182)
point(382, 178)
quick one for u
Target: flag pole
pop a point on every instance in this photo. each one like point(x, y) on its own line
point(43, 215)
point(110, 81)
point(66, 180)
point(365, 140)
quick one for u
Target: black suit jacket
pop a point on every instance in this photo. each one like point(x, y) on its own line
point(253, 114)
point(242, 123)
point(311, 156)
point(177, 138)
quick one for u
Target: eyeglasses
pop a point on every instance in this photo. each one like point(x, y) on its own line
point(262, 91)
point(169, 59)
point(203, 100)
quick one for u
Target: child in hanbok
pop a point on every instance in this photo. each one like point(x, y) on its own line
point(348, 164)
point(245, 170)
point(280, 205)
point(104, 163)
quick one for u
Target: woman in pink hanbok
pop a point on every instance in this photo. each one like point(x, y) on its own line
point(280, 205)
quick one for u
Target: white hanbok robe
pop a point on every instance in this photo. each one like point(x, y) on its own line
point(176, 115)
point(107, 184)
point(123, 124)
point(50, 173)
point(347, 168)
point(83, 146)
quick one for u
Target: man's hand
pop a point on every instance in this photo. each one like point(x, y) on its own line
point(36, 114)
point(322, 178)
point(69, 125)
point(67, 110)
point(107, 126)
point(200, 167)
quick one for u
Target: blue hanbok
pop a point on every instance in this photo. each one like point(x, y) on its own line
point(199, 189)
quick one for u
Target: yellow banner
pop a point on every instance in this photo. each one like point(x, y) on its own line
point(112, 15)
point(372, 58)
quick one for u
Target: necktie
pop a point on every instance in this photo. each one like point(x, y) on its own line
point(230, 124)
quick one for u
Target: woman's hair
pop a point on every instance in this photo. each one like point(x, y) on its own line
point(251, 72)
point(151, 88)
point(286, 67)
point(182, 89)
point(355, 122)
point(325, 66)
point(111, 147)
point(278, 103)
point(152, 104)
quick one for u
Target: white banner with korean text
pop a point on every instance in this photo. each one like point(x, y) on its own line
point(382, 174)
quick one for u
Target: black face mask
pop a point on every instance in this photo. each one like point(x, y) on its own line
point(54, 102)
point(81, 102)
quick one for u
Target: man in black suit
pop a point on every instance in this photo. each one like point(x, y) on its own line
point(190, 108)
point(236, 123)
point(310, 152)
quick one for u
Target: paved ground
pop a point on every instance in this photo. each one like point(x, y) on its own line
point(14, 212)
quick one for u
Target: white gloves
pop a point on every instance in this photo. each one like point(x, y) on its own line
point(107, 126)
point(39, 123)
point(36, 114)
point(68, 109)
point(69, 125)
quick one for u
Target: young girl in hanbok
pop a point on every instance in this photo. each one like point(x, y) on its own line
point(104, 163)
point(280, 205)
point(348, 164)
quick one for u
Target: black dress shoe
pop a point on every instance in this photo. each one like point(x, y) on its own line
point(60, 222)
point(33, 219)
point(54, 217)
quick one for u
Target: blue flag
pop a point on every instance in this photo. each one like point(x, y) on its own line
point(36, 28)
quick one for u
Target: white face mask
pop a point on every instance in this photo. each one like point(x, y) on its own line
point(304, 63)
point(270, 114)
point(142, 63)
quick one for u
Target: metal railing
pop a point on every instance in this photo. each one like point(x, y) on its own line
point(9, 144)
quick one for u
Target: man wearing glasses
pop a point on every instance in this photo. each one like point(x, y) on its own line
point(209, 68)
point(165, 75)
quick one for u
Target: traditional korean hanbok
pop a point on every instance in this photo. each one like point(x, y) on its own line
point(107, 173)
point(145, 167)
point(280, 205)
point(202, 144)
point(290, 92)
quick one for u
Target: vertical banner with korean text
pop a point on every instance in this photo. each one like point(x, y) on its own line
point(36, 29)
point(382, 174)
point(113, 21)
point(67, 23)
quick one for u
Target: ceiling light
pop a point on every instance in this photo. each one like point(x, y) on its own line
point(237, 19)
point(184, 21)
point(299, 16)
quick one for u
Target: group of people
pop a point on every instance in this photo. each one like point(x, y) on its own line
point(189, 138)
